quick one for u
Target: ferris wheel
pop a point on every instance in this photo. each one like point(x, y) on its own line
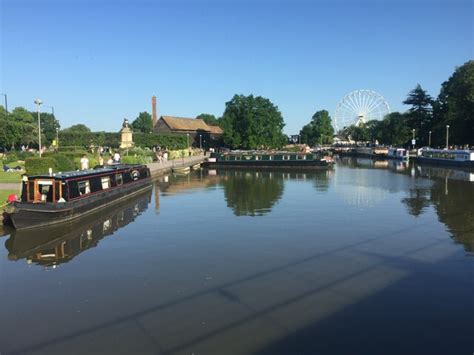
point(358, 107)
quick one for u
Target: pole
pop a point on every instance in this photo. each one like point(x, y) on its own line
point(429, 139)
point(38, 102)
point(200, 141)
point(57, 139)
point(413, 140)
point(6, 104)
point(447, 136)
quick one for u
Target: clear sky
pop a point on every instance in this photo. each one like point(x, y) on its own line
point(99, 61)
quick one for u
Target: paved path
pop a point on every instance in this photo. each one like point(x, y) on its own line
point(10, 185)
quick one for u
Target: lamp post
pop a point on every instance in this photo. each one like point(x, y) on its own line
point(447, 136)
point(187, 139)
point(429, 139)
point(200, 141)
point(413, 139)
point(57, 139)
point(6, 103)
point(38, 102)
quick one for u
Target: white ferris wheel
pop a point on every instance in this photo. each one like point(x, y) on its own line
point(358, 107)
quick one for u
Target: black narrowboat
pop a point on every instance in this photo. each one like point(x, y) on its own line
point(55, 198)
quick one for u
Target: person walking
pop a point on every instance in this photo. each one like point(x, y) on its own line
point(117, 157)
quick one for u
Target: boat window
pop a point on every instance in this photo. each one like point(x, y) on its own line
point(105, 182)
point(237, 157)
point(31, 190)
point(257, 157)
point(270, 157)
point(135, 174)
point(84, 187)
point(119, 179)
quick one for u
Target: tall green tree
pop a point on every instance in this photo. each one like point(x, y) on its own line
point(455, 107)
point(251, 122)
point(420, 114)
point(143, 123)
point(78, 128)
point(209, 119)
point(49, 125)
point(319, 130)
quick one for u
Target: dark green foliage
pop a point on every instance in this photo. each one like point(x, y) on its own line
point(319, 130)
point(86, 139)
point(78, 128)
point(455, 107)
point(37, 165)
point(209, 119)
point(252, 123)
point(143, 123)
point(420, 114)
point(169, 141)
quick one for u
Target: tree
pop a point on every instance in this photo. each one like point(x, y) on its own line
point(319, 130)
point(420, 114)
point(455, 107)
point(78, 128)
point(252, 122)
point(49, 125)
point(22, 115)
point(209, 119)
point(143, 123)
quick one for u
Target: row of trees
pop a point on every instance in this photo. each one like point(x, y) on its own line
point(454, 106)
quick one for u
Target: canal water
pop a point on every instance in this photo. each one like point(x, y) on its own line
point(367, 258)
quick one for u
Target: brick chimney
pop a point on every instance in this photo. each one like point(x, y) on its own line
point(153, 111)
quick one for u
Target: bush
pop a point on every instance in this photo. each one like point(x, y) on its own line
point(63, 162)
point(137, 159)
point(170, 141)
point(37, 165)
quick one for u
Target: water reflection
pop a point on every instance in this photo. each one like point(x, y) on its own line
point(56, 245)
point(450, 192)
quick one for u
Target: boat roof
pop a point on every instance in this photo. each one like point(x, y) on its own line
point(262, 152)
point(88, 172)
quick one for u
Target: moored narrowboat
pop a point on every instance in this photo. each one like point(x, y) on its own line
point(398, 153)
point(54, 198)
point(278, 159)
point(461, 157)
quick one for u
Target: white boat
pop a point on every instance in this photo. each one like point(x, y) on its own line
point(398, 153)
point(459, 157)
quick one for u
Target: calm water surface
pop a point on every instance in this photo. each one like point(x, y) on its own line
point(369, 258)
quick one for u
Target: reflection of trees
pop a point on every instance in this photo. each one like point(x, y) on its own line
point(417, 201)
point(454, 203)
point(251, 193)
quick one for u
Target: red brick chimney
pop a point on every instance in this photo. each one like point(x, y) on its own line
point(153, 111)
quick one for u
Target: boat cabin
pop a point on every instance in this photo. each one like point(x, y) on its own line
point(444, 154)
point(73, 185)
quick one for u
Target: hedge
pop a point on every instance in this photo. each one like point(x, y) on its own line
point(79, 140)
point(37, 165)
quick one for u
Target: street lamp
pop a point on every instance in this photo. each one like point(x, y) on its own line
point(57, 139)
point(413, 139)
point(187, 139)
point(447, 136)
point(200, 141)
point(6, 103)
point(38, 102)
point(429, 139)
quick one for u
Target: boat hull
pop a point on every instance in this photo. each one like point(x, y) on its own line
point(27, 215)
point(270, 164)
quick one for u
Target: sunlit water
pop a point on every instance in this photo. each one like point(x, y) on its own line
point(368, 258)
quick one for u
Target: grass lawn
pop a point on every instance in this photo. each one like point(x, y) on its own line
point(10, 176)
point(3, 197)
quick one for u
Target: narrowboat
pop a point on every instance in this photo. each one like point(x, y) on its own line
point(398, 154)
point(279, 159)
point(55, 198)
point(460, 158)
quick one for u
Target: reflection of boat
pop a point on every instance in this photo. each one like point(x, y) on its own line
point(264, 159)
point(398, 154)
point(181, 170)
point(60, 243)
point(196, 166)
point(54, 198)
point(460, 158)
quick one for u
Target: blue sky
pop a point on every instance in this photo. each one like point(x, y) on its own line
point(98, 61)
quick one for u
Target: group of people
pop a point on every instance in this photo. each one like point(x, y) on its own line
point(113, 159)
